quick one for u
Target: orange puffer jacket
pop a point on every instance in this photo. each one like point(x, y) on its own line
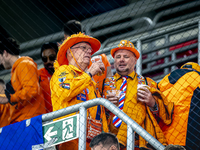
point(28, 95)
point(182, 87)
point(70, 86)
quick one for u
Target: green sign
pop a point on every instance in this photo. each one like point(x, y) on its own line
point(61, 130)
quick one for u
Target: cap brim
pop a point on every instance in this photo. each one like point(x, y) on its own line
point(137, 54)
point(61, 56)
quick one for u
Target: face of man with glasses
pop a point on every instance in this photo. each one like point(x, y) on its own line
point(48, 58)
point(82, 53)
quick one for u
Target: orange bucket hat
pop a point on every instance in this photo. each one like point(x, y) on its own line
point(72, 40)
point(127, 45)
point(191, 65)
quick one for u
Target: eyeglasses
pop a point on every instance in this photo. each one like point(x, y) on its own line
point(83, 48)
point(51, 58)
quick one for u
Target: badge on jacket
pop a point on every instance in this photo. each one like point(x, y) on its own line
point(65, 85)
point(62, 79)
point(81, 97)
point(62, 74)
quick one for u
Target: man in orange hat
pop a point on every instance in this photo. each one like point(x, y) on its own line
point(139, 98)
point(74, 27)
point(182, 86)
point(72, 81)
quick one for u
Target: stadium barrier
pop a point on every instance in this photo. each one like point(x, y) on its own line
point(82, 108)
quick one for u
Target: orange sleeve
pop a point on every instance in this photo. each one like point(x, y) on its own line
point(105, 60)
point(99, 79)
point(4, 114)
point(28, 77)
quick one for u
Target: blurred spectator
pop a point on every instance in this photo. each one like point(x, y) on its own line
point(72, 84)
point(71, 27)
point(74, 27)
point(23, 91)
point(48, 54)
point(104, 141)
point(4, 108)
point(139, 98)
point(182, 87)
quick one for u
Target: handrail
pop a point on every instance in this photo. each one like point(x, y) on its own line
point(171, 63)
point(151, 23)
point(127, 11)
point(182, 49)
point(151, 36)
point(124, 10)
point(122, 26)
point(114, 109)
point(157, 31)
point(174, 10)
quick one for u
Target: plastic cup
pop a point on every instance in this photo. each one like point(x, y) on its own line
point(114, 92)
point(142, 85)
point(95, 59)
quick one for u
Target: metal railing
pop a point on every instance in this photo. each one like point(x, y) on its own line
point(156, 34)
point(82, 108)
point(132, 10)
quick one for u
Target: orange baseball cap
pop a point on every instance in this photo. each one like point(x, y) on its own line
point(191, 65)
point(72, 40)
point(127, 45)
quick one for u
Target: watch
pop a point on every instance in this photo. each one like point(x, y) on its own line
point(89, 73)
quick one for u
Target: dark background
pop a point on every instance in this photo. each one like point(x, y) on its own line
point(29, 19)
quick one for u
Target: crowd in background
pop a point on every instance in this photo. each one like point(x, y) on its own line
point(168, 110)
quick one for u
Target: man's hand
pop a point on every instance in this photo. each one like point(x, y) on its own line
point(145, 96)
point(112, 98)
point(3, 100)
point(96, 68)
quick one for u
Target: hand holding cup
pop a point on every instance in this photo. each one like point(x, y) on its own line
point(144, 95)
point(98, 59)
point(113, 96)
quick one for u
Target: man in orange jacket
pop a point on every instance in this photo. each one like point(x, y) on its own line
point(72, 81)
point(139, 98)
point(48, 54)
point(23, 91)
point(182, 86)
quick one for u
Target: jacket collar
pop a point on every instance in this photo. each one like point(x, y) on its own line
point(131, 76)
point(75, 68)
